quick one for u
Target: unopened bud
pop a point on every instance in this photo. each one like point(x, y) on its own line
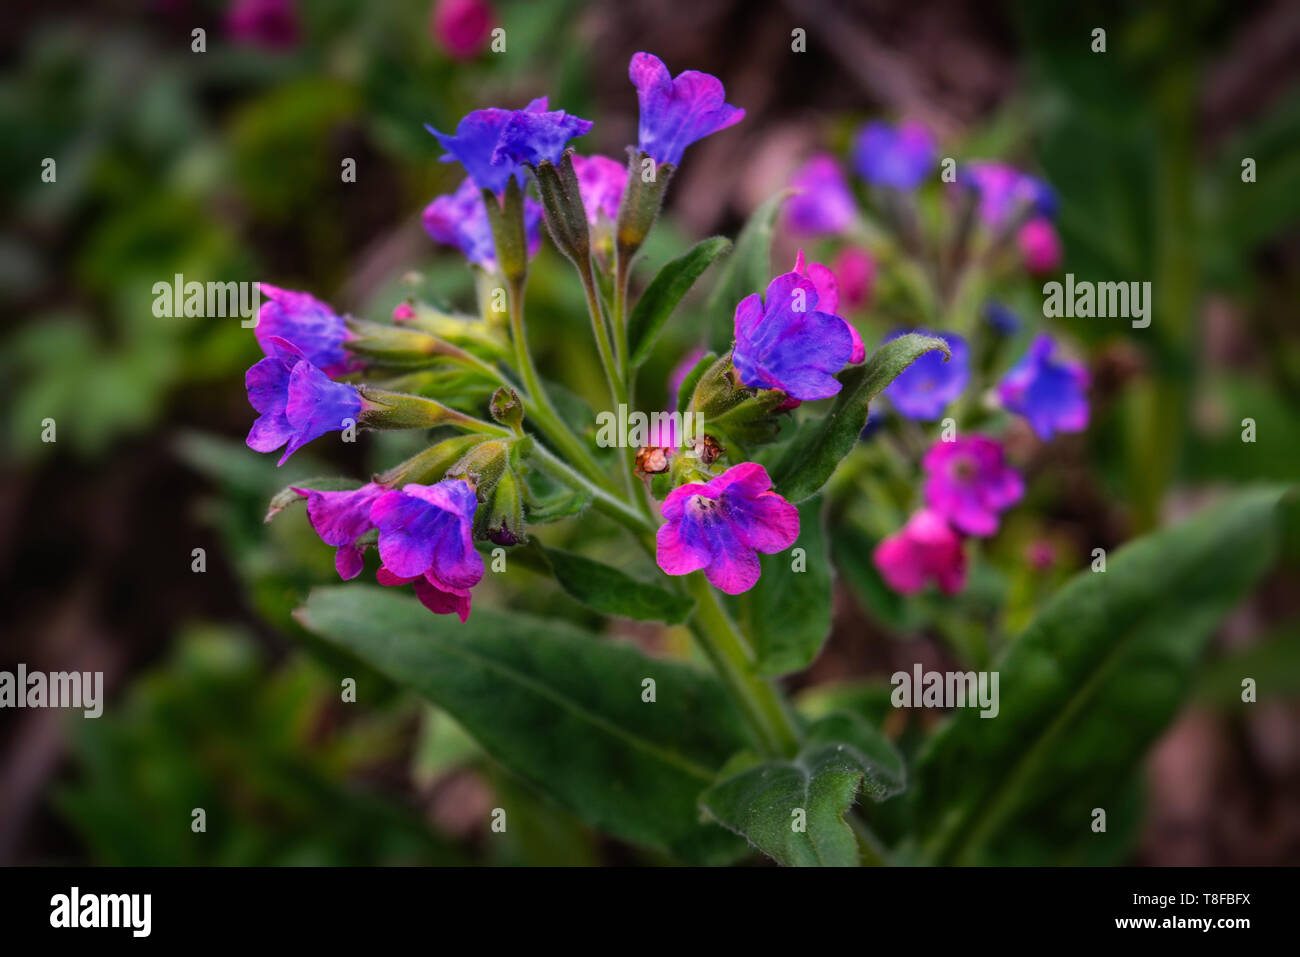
point(511, 238)
point(507, 408)
point(566, 217)
point(642, 198)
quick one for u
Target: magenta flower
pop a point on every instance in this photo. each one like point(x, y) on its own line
point(462, 27)
point(296, 400)
point(828, 299)
point(1003, 191)
point(856, 271)
point(896, 156)
point(925, 549)
point(924, 389)
point(786, 343)
point(340, 518)
point(1047, 392)
point(823, 205)
point(404, 311)
point(680, 371)
point(677, 112)
point(722, 524)
point(267, 23)
point(460, 219)
point(492, 144)
point(968, 483)
point(308, 323)
point(426, 537)
point(600, 183)
point(1040, 246)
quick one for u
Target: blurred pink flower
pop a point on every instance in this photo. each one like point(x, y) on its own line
point(856, 271)
point(462, 27)
point(266, 23)
point(925, 549)
point(1040, 246)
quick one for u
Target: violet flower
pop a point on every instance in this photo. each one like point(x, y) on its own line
point(924, 389)
point(600, 183)
point(786, 343)
point(676, 112)
point(822, 205)
point(340, 518)
point(1003, 191)
point(311, 325)
point(896, 156)
point(460, 219)
point(1050, 393)
point(969, 483)
point(296, 400)
point(828, 299)
point(722, 524)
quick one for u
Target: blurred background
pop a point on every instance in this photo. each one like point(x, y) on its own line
point(224, 165)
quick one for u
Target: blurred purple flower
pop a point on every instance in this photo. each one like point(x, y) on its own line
point(340, 518)
point(898, 156)
point(491, 144)
point(308, 323)
point(924, 389)
point(823, 205)
point(1049, 393)
point(460, 219)
point(681, 371)
point(462, 27)
point(296, 400)
point(720, 525)
point(1003, 190)
point(969, 484)
point(600, 182)
point(925, 549)
point(267, 23)
point(426, 537)
point(1001, 319)
point(786, 343)
point(676, 112)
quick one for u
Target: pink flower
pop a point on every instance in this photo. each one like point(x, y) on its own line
point(925, 549)
point(403, 312)
point(462, 27)
point(856, 271)
point(1040, 246)
point(272, 24)
point(968, 483)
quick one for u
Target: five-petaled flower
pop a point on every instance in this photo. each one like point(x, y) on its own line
point(722, 524)
point(460, 219)
point(493, 144)
point(296, 400)
point(426, 538)
point(924, 389)
point(1049, 392)
point(969, 483)
point(785, 343)
point(308, 323)
point(896, 156)
point(677, 111)
point(925, 549)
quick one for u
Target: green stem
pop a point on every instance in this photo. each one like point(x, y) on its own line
point(611, 364)
point(760, 704)
point(622, 268)
point(609, 504)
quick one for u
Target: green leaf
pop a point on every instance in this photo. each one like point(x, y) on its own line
point(686, 392)
point(614, 592)
point(1087, 688)
point(558, 707)
point(817, 448)
point(787, 615)
point(747, 270)
point(762, 803)
point(666, 291)
point(563, 504)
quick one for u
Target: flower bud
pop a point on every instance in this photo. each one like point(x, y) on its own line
point(381, 409)
point(566, 217)
point(507, 408)
point(503, 521)
point(482, 466)
point(395, 345)
point(431, 465)
point(642, 197)
point(508, 230)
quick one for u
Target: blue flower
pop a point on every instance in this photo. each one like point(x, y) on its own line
point(1004, 190)
point(460, 219)
point(785, 343)
point(924, 389)
point(492, 144)
point(296, 400)
point(677, 112)
point(1001, 319)
point(900, 156)
point(1047, 392)
point(308, 323)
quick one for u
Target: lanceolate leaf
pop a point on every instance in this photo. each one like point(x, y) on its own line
point(612, 591)
point(793, 811)
point(560, 708)
point(666, 291)
point(819, 445)
point(787, 615)
point(1086, 689)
